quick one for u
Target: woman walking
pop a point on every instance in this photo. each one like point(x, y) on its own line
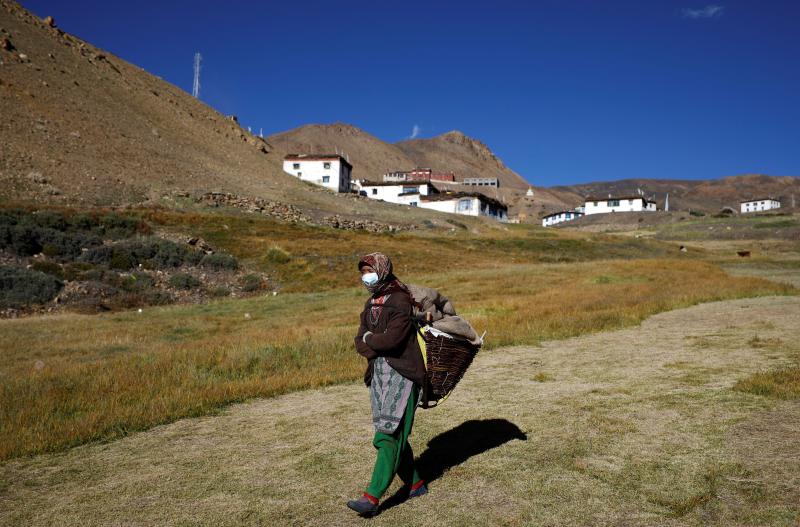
point(395, 374)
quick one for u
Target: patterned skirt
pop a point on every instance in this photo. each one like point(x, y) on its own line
point(389, 392)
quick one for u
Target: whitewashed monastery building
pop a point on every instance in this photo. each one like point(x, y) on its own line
point(620, 204)
point(757, 205)
point(404, 193)
point(559, 217)
point(466, 203)
point(425, 195)
point(326, 170)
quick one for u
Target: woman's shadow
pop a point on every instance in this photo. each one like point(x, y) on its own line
point(455, 446)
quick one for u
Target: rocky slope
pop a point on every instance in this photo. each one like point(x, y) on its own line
point(81, 126)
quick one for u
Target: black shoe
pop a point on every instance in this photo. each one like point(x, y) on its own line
point(364, 507)
point(419, 491)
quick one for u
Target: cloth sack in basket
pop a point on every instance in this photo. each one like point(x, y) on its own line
point(443, 313)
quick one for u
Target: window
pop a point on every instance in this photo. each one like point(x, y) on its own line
point(408, 190)
point(326, 165)
point(464, 205)
point(413, 203)
point(295, 165)
point(630, 202)
point(299, 174)
point(595, 203)
point(374, 191)
point(613, 203)
point(326, 179)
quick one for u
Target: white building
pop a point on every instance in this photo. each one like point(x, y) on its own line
point(482, 181)
point(561, 216)
point(327, 170)
point(407, 193)
point(466, 203)
point(756, 205)
point(620, 204)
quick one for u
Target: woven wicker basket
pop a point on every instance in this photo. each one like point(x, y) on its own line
point(447, 360)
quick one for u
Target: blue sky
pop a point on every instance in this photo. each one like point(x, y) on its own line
point(564, 91)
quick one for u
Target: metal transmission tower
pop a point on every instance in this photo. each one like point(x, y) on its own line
point(196, 83)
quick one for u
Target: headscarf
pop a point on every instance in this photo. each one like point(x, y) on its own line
point(387, 282)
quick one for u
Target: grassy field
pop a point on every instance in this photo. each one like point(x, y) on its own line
point(681, 421)
point(304, 258)
point(641, 426)
point(70, 379)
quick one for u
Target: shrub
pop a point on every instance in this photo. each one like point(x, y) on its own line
point(97, 255)
point(66, 246)
point(136, 282)
point(84, 222)
point(121, 259)
point(251, 282)
point(169, 254)
point(23, 287)
point(152, 254)
point(119, 226)
point(219, 262)
point(278, 255)
point(140, 250)
point(155, 297)
point(47, 267)
point(220, 291)
point(76, 270)
point(9, 217)
point(49, 219)
point(184, 281)
point(22, 240)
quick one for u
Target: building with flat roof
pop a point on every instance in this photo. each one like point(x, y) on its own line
point(594, 205)
point(466, 203)
point(560, 217)
point(757, 205)
point(326, 170)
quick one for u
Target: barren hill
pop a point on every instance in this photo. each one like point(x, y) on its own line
point(465, 156)
point(81, 126)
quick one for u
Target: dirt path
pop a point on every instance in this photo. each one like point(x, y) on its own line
point(631, 427)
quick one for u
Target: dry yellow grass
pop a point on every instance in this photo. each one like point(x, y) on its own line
point(782, 384)
point(618, 436)
point(70, 379)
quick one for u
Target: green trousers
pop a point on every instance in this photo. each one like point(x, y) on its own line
point(394, 453)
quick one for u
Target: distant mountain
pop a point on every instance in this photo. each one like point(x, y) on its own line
point(703, 195)
point(467, 157)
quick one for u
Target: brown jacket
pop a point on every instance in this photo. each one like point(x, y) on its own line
point(394, 337)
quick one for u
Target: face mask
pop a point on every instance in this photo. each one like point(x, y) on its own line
point(369, 279)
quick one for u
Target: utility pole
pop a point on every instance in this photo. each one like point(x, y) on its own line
point(666, 203)
point(196, 83)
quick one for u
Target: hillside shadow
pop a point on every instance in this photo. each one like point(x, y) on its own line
point(454, 447)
